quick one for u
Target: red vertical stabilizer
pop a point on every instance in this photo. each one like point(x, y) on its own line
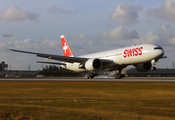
point(66, 49)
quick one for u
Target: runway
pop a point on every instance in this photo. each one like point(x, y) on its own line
point(126, 79)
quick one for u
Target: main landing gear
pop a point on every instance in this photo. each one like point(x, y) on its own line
point(91, 75)
point(119, 75)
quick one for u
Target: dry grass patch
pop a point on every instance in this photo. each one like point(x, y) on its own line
point(95, 100)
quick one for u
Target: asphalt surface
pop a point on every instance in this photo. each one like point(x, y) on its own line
point(126, 79)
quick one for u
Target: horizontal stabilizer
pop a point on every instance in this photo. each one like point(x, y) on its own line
point(163, 57)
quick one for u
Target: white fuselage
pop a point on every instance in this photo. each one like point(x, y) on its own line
point(123, 56)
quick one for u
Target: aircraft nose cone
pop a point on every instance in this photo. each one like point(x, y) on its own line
point(161, 53)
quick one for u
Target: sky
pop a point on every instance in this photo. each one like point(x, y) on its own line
point(89, 26)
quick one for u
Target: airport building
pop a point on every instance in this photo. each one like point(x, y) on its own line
point(11, 73)
point(3, 66)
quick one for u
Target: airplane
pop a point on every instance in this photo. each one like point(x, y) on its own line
point(144, 57)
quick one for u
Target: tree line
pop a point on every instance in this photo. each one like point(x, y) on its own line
point(56, 71)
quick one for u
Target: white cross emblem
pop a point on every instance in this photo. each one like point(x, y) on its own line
point(65, 47)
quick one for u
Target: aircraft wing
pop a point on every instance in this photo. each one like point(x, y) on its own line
point(61, 58)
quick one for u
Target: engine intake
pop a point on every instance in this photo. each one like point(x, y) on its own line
point(143, 67)
point(93, 64)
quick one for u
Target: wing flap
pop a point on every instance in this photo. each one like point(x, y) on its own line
point(50, 63)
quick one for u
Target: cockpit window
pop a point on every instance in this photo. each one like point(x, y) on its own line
point(157, 48)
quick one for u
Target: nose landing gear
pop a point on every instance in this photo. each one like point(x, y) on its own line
point(153, 62)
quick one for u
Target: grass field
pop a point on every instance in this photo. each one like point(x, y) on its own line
point(87, 100)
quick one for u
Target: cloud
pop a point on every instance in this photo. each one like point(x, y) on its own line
point(7, 35)
point(81, 36)
point(165, 11)
point(150, 37)
point(77, 49)
point(119, 33)
point(14, 42)
point(49, 44)
point(126, 14)
point(105, 39)
point(14, 13)
point(19, 60)
point(55, 10)
point(164, 36)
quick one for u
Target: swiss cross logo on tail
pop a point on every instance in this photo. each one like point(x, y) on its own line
point(66, 49)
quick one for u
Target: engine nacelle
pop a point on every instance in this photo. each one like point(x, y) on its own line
point(143, 67)
point(93, 64)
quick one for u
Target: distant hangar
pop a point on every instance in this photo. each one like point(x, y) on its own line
point(152, 73)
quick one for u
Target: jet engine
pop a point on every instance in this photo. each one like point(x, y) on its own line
point(93, 64)
point(143, 67)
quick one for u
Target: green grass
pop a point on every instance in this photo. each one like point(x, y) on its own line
point(95, 100)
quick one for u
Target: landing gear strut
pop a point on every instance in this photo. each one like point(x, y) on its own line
point(153, 62)
point(91, 75)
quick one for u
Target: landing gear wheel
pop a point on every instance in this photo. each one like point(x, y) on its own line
point(118, 76)
point(91, 75)
point(154, 68)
